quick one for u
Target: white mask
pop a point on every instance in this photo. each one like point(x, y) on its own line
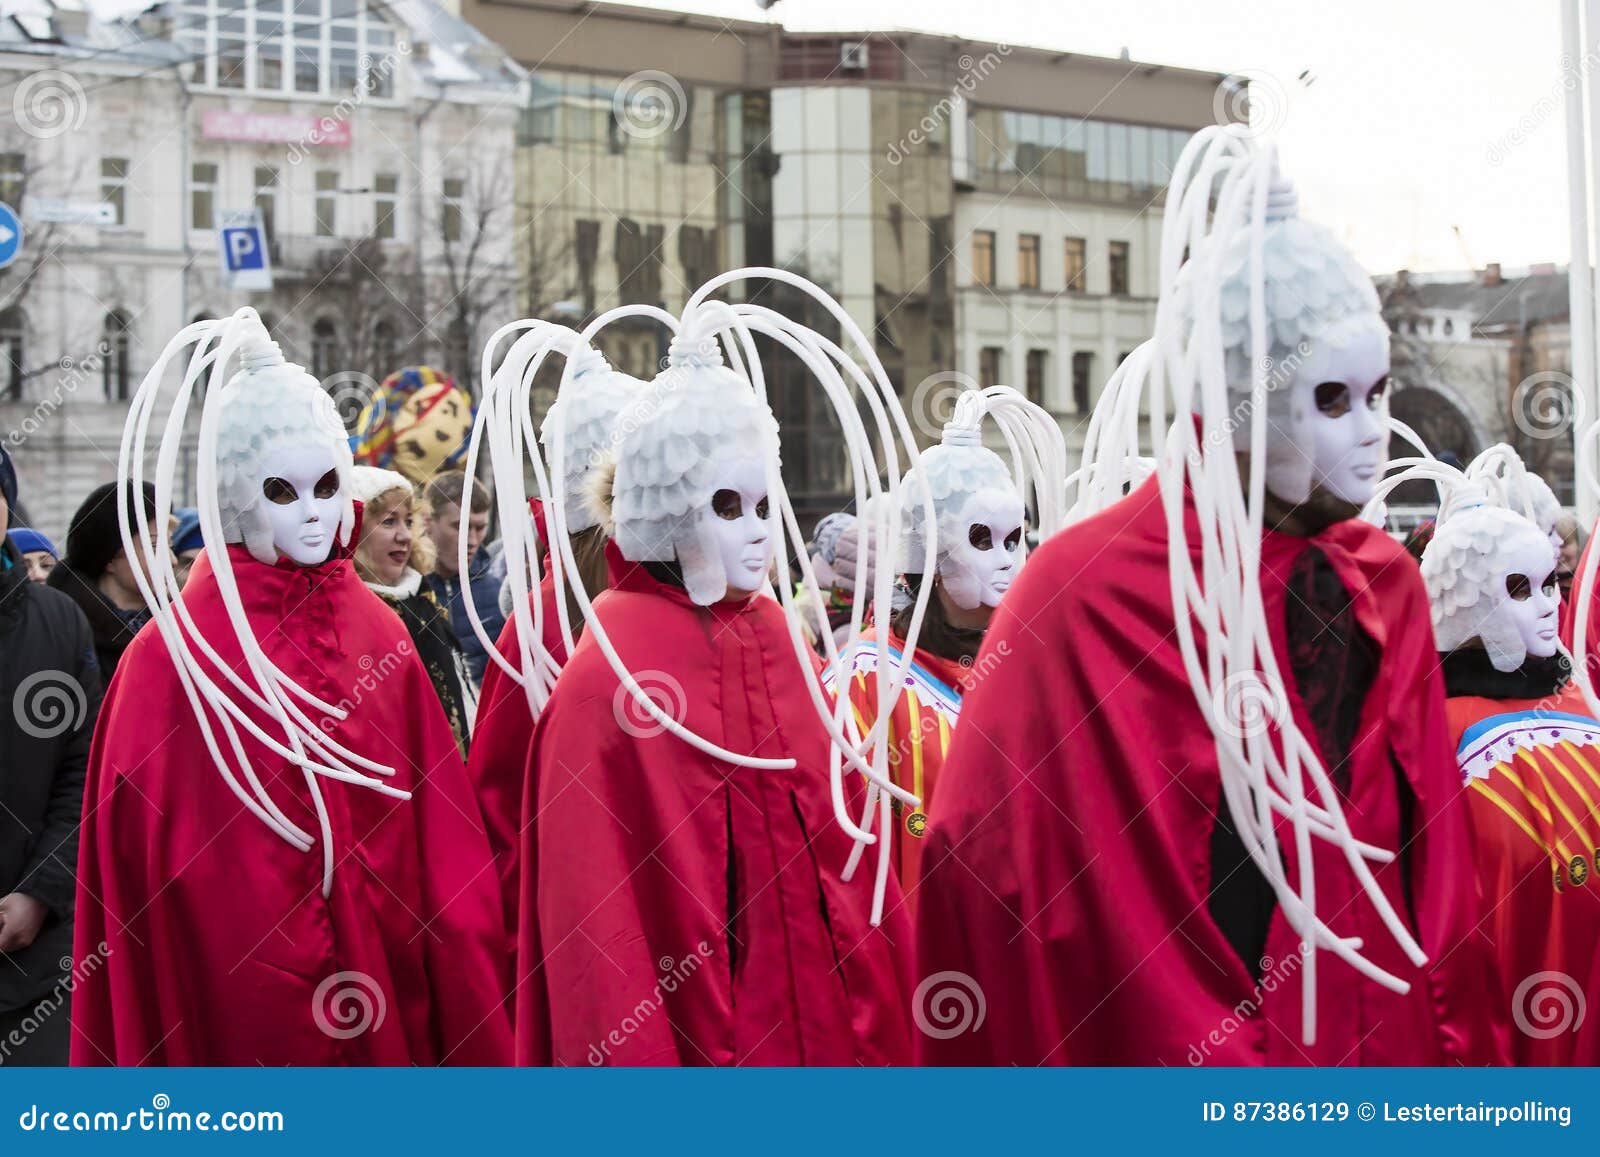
point(738, 523)
point(978, 567)
point(1342, 390)
point(1530, 601)
point(302, 497)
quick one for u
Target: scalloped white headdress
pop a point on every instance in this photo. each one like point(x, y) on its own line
point(689, 416)
point(1464, 568)
point(268, 404)
point(589, 404)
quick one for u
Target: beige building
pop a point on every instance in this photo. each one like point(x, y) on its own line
point(983, 209)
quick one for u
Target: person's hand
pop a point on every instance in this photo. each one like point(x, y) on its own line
point(21, 917)
point(844, 563)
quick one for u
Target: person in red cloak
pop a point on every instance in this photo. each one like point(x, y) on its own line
point(1193, 805)
point(682, 902)
point(587, 407)
point(980, 517)
point(220, 935)
point(1528, 746)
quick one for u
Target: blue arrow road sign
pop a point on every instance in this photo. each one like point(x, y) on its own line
point(10, 235)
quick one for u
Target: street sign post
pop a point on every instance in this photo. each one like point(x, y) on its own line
point(10, 235)
point(242, 247)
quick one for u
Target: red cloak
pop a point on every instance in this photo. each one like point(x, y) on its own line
point(1068, 864)
point(503, 729)
point(219, 948)
point(679, 910)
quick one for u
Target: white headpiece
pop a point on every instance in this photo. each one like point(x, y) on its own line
point(962, 477)
point(694, 412)
point(368, 482)
point(1247, 288)
point(589, 405)
point(267, 405)
point(1501, 472)
point(1465, 567)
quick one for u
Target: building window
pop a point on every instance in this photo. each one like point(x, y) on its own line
point(202, 195)
point(1077, 260)
point(450, 210)
point(385, 351)
point(11, 348)
point(1118, 267)
point(327, 203)
point(267, 199)
point(1028, 261)
point(324, 347)
point(338, 47)
point(114, 369)
point(1082, 372)
point(13, 178)
point(114, 187)
point(983, 257)
point(385, 202)
point(989, 366)
point(1038, 360)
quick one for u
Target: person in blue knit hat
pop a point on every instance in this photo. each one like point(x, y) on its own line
point(37, 551)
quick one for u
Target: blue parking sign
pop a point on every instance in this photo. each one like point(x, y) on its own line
point(10, 235)
point(242, 248)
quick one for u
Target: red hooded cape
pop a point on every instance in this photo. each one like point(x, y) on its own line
point(503, 728)
point(679, 910)
point(1068, 863)
point(218, 946)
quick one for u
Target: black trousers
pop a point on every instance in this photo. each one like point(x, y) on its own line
point(37, 1034)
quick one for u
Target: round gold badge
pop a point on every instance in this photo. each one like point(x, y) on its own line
point(916, 824)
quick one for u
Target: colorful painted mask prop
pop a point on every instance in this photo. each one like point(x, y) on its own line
point(1269, 342)
point(272, 470)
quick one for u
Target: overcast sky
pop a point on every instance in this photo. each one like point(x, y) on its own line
point(1395, 139)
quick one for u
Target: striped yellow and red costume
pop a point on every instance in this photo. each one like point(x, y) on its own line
point(1532, 774)
point(919, 731)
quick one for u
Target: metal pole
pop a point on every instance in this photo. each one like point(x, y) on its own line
point(1580, 284)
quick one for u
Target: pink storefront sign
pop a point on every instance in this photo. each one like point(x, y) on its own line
point(275, 128)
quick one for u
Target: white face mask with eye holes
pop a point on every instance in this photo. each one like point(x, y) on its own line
point(977, 568)
point(302, 497)
point(738, 523)
point(1530, 608)
point(1347, 375)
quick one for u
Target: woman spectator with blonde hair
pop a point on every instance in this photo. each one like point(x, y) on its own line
point(391, 558)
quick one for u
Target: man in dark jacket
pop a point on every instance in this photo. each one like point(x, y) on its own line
point(95, 573)
point(50, 689)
